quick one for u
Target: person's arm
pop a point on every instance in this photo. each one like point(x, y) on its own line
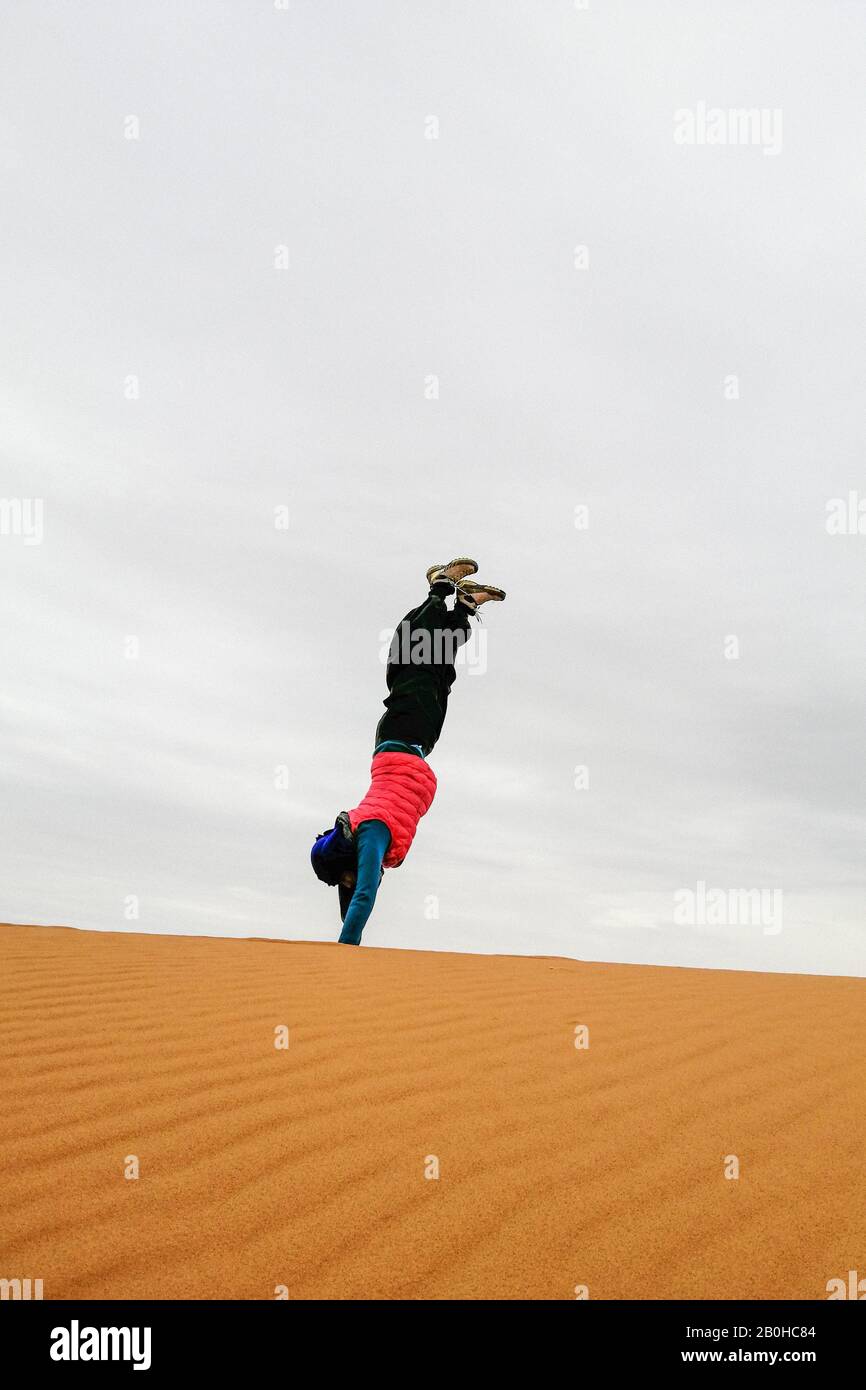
point(345, 895)
point(373, 838)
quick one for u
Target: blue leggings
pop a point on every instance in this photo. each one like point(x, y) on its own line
point(372, 838)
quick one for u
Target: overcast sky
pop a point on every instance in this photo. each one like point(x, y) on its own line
point(693, 378)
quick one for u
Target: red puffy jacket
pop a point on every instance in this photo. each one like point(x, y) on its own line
point(401, 792)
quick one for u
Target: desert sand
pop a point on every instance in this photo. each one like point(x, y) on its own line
point(304, 1167)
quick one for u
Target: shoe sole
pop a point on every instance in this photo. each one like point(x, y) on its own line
point(462, 560)
point(471, 590)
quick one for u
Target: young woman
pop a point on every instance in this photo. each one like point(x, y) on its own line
point(377, 833)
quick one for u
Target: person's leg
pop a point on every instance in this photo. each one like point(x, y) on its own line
point(429, 616)
point(421, 668)
point(433, 615)
point(373, 838)
point(430, 635)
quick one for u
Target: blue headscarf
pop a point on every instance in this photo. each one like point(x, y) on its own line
point(334, 852)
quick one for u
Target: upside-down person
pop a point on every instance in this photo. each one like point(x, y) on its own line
point(377, 834)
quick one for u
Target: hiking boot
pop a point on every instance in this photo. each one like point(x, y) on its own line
point(472, 595)
point(457, 569)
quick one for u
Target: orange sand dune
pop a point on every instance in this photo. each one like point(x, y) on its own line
point(305, 1166)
